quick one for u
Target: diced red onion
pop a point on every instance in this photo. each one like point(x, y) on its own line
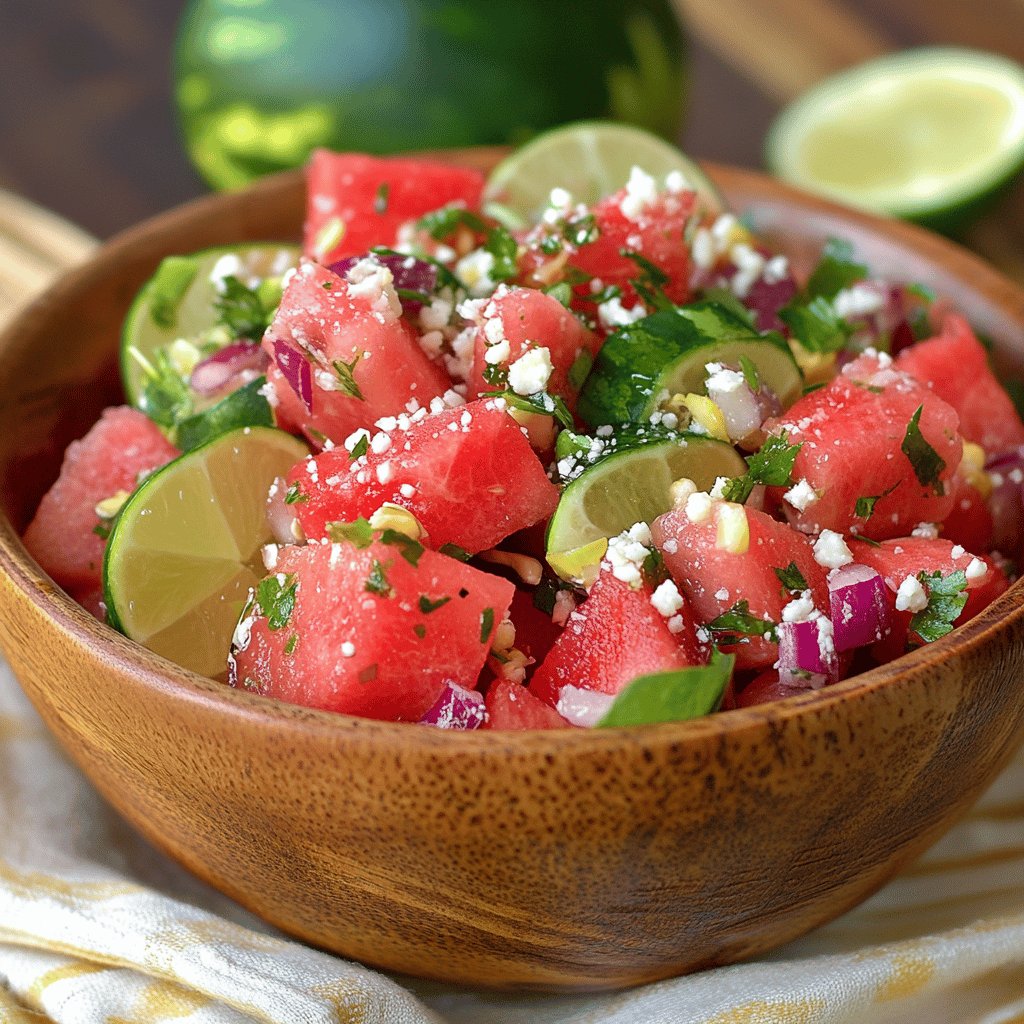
point(765, 299)
point(1006, 502)
point(281, 516)
point(583, 707)
point(806, 653)
point(217, 371)
point(740, 408)
point(457, 708)
point(409, 273)
point(295, 368)
point(860, 609)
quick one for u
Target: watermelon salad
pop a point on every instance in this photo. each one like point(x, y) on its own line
point(619, 465)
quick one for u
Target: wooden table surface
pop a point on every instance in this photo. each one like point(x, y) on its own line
point(87, 126)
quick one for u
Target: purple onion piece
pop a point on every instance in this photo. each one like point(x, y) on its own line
point(1008, 459)
point(765, 300)
point(457, 708)
point(806, 653)
point(409, 273)
point(860, 609)
point(217, 371)
point(295, 369)
point(583, 707)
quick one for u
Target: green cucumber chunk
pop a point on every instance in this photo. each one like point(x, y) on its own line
point(245, 407)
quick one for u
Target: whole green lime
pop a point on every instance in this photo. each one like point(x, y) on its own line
point(259, 83)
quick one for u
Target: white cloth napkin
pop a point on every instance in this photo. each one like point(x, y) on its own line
point(97, 927)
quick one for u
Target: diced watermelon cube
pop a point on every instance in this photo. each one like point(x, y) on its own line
point(121, 446)
point(511, 706)
point(536, 631)
point(852, 434)
point(369, 633)
point(614, 636)
point(341, 354)
point(468, 474)
point(374, 196)
point(715, 580)
point(530, 319)
point(970, 524)
point(954, 364)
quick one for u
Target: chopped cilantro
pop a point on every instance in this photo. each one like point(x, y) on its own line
point(505, 250)
point(166, 398)
point(545, 595)
point(412, 295)
point(454, 551)
point(946, 600)
point(427, 605)
point(345, 372)
point(495, 375)
point(606, 294)
point(486, 625)
point(541, 403)
point(441, 224)
point(293, 640)
point(738, 622)
point(377, 581)
point(865, 506)
point(277, 599)
point(750, 374)
point(368, 674)
point(420, 630)
point(925, 460)
point(380, 200)
point(241, 310)
point(772, 466)
point(294, 494)
point(411, 550)
point(359, 533)
point(360, 448)
point(792, 578)
point(816, 325)
point(101, 530)
point(836, 270)
point(650, 283)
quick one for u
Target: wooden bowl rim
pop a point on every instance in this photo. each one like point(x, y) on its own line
point(153, 672)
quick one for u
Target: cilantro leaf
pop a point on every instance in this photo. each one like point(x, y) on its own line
point(293, 642)
point(411, 550)
point(294, 494)
point(486, 624)
point(276, 599)
point(865, 506)
point(816, 325)
point(427, 605)
point(650, 283)
point(345, 374)
point(360, 448)
point(925, 460)
point(946, 600)
point(772, 466)
point(541, 403)
point(241, 309)
point(377, 581)
point(738, 622)
point(454, 551)
point(792, 578)
point(166, 398)
point(836, 270)
point(671, 696)
point(358, 533)
point(505, 250)
point(750, 374)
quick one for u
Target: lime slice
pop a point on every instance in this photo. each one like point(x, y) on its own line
point(924, 134)
point(666, 354)
point(178, 302)
point(633, 486)
point(590, 159)
point(186, 547)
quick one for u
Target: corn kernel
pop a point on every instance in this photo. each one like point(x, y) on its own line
point(707, 415)
point(108, 508)
point(680, 490)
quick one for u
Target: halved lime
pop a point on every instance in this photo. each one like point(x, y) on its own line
point(179, 301)
point(186, 547)
point(633, 486)
point(924, 134)
point(666, 354)
point(590, 159)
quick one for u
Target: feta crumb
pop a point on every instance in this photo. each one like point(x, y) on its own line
point(957, 552)
point(929, 531)
point(858, 300)
point(800, 609)
point(666, 599)
point(531, 372)
point(436, 316)
point(612, 314)
point(627, 553)
point(671, 546)
point(776, 270)
point(976, 569)
point(371, 280)
point(385, 472)
point(675, 182)
point(348, 649)
point(830, 550)
point(702, 249)
point(676, 624)
point(474, 270)
point(801, 495)
point(698, 507)
point(641, 194)
point(911, 596)
point(722, 594)
point(723, 380)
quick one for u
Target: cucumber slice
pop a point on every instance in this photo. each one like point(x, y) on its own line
point(186, 546)
point(924, 134)
point(590, 159)
point(178, 301)
point(632, 485)
point(667, 352)
point(245, 407)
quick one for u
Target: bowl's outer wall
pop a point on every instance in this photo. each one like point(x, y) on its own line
point(563, 860)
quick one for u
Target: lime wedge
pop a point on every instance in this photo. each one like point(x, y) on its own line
point(178, 301)
point(924, 134)
point(633, 486)
point(186, 546)
point(590, 159)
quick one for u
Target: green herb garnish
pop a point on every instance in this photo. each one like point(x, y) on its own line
point(344, 372)
point(486, 624)
point(925, 460)
point(738, 622)
point(946, 600)
point(377, 581)
point(358, 533)
point(792, 578)
point(772, 466)
point(411, 550)
point(427, 605)
point(276, 599)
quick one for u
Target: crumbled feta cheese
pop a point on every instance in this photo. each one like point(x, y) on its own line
point(800, 609)
point(676, 624)
point(666, 599)
point(976, 569)
point(775, 270)
point(348, 649)
point(380, 443)
point(749, 265)
point(371, 280)
point(723, 380)
point(436, 316)
point(385, 472)
point(474, 270)
point(911, 596)
point(858, 300)
point(830, 550)
point(670, 546)
point(929, 531)
point(612, 314)
point(801, 495)
point(675, 182)
point(957, 552)
point(722, 594)
point(641, 194)
point(459, 363)
point(702, 249)
point(698, 507)
point(228, 265)
point(628, 551)
point(531, 372)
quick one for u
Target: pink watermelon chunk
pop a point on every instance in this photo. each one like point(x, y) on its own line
point(468, 474)
point(715, 580)
point(120, 447)
point(531, 319)
point(511, 706)
point(342, 356)
point(955, 366)
point(614, 636)
point(374, 196)
point(366, 632)
point(852, 434)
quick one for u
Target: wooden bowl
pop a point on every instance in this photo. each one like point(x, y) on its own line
point(555, 860)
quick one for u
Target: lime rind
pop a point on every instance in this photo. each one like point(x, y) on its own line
point(922, 176)
point(590, 159)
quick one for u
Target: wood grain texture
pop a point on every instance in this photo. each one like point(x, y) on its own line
point(542, 860)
